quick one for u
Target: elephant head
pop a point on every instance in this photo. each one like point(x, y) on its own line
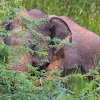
point(53, 27)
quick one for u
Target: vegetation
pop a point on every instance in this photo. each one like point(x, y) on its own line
point(15, 85)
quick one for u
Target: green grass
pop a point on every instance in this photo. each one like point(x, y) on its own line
point(84, 12)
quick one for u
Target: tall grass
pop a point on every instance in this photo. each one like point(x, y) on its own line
point(84, 12)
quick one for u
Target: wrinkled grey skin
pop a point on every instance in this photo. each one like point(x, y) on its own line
point(84, 54)
point(45, 29)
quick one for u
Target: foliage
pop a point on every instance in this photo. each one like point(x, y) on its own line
point(84, 12)
point(15, 85)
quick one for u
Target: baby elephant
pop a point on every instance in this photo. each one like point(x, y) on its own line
point(84, 54)
point(48, 29)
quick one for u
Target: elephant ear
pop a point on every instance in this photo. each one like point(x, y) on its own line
point(59, 29)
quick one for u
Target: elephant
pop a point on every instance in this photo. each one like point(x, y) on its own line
point(84, 54)
point(56, 26)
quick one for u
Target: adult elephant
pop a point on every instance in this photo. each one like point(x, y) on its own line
point(85, 53)
point(55, 26)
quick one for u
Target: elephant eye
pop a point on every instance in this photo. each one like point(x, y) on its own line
point(51, 27)
point(33, 47)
